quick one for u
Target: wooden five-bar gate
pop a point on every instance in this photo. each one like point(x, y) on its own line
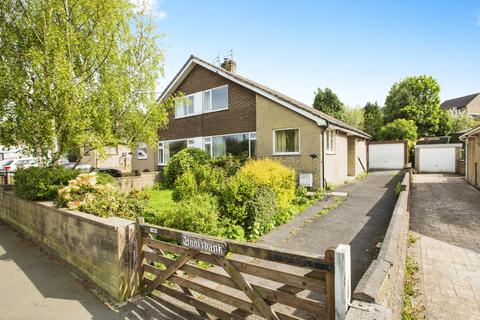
point(215, 278)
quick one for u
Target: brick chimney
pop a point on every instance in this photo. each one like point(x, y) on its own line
point(229, 65)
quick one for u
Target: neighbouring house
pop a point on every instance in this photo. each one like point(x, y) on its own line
point(119, 157)
point(472, 156)
point(467, 104)
point(225, 113)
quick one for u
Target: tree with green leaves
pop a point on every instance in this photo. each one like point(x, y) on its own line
point(415, 98)
point(461, 122)
point(78, 75)
point(328, 102)
point(354, 117)
point(400, 129)
point(373, 119)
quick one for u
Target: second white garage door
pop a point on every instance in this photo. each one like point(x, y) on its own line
point(436, 159)
point(386, 155)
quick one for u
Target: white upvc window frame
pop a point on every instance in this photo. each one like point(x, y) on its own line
point(330, 146)
point(274, 140)
point(211, 99)
point(186, 107)
point(161, 153)
point(208, 140)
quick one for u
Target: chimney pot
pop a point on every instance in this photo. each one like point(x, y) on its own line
point(229, 65)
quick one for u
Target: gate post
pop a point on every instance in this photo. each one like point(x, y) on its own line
point(139, 255)
point(330, 284)
point(342, 281)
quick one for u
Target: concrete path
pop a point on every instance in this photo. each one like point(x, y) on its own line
point(361, 221)
point(445, 216)
point(36, 285)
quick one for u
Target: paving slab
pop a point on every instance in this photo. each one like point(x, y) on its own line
point(445, 217)
point(361, 220)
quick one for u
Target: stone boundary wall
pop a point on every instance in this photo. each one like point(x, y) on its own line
point(379, 294)
point(145, 179)
point(103, 249)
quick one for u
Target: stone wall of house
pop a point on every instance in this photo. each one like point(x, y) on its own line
point(103, 249)
point(271, 116)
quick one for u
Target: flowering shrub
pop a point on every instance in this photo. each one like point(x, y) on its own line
point(85, 194)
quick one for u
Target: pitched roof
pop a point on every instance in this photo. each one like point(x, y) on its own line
point(320, 117)
point(458, 102)
point(470, 132)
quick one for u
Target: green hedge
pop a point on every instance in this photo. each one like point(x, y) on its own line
point(185, 160)
point(42, 184)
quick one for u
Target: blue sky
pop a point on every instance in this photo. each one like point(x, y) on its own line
point(356, 48)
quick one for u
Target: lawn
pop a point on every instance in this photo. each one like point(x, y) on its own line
point(161, 200)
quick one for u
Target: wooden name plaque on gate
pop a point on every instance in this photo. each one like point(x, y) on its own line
point(212, 246)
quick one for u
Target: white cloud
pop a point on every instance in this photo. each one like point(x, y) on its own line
point(152, 7)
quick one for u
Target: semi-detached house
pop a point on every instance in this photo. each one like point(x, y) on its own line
point(224, 113)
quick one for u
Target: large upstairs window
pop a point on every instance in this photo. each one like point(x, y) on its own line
point(184, 106)
point(215, 99)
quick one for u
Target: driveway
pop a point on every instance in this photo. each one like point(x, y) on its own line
point(37, 285)
point(361, 221)
point(445, 216)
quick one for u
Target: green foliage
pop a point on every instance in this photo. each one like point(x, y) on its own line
point(184, 187)
point(409, 310)
point(42, 183)
point(78, 76)
point(461, 122)
point(85, 194)
point(400, 129)
point(301, 197)
point(185, 160)
point(261, 210)
point(328, 102)
point(230, 164)
point(444, 124)
point(373, 119)
point(210, 179)
point(398, 189)
point(354, 117)
point(416, 99)
point(198, 213)
point(232, 231)
point(236, 194)
point(330, 186)
point(279, 178)
point(104, 178)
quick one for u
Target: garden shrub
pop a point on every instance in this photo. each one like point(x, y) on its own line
point(235, 196)
point(301, 197)
point(198, 213)
point(105, 178)
point(85, 194)
point(230, 164)
point(185, 160)
point(261, 211)
point(39, 184)
point(232, 231)
point(210, 179)
point(279, 178)
point(185, 186)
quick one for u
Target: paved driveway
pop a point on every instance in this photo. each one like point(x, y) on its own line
point(445, 216)
point(361, 221)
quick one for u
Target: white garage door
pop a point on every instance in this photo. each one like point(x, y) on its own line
point(386, 156)
point(437, 160)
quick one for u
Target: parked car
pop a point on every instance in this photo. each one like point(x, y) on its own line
point(81, 167)
point(13, 165)
point(111, 171)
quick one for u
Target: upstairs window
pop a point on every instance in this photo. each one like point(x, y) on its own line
point(215, 99)
point(286, 141)
point(184, 106)
point(330, 141)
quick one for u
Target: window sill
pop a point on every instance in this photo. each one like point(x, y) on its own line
point(286, 154)
point(211, 111)
point(331, 153)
